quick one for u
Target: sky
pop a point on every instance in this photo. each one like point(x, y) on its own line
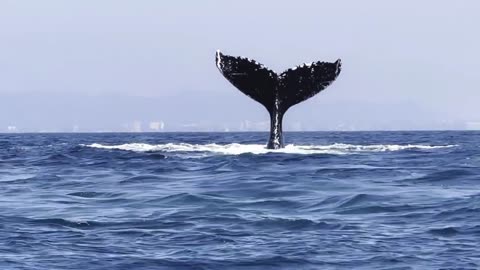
point(116, 65)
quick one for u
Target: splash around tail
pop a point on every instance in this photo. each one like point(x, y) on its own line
point(258, 149)
point(277, 92)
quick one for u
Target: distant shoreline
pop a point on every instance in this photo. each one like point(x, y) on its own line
point(309, 131)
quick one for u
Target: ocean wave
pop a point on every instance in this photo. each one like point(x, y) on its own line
point(237, 149)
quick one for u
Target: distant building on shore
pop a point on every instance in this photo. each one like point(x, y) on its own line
point(12, 129)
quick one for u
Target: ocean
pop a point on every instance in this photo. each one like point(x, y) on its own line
point(329, 200)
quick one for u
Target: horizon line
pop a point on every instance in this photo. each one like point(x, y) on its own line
point(266, 131)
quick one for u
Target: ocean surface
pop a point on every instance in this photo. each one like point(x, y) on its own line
point(329, 200)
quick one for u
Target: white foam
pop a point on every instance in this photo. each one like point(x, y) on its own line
point(237, 149)
point(219, 60)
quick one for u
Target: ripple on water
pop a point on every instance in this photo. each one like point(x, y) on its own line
point(329, 200)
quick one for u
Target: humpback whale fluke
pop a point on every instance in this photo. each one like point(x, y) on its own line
point(277, 92)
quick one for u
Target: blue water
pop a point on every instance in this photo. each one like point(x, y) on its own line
point(330, 200)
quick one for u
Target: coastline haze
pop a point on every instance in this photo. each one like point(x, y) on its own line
point(107, 66)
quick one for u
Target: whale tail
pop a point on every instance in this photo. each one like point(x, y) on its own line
point(277, 92)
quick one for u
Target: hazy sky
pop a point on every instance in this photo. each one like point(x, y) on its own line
point(402, 60)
